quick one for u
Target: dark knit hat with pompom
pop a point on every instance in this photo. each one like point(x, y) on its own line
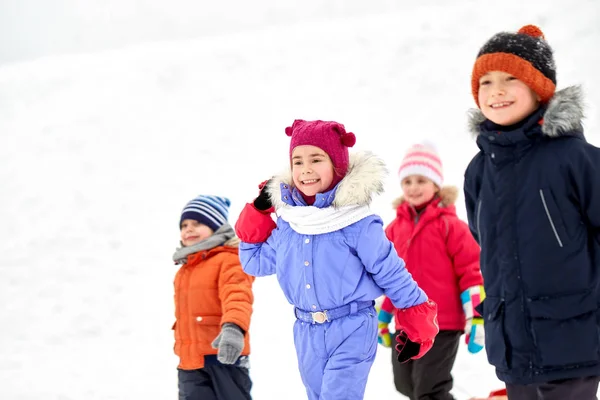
point(526, 55)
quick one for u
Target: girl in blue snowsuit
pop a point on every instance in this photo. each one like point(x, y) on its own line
point(332, 259)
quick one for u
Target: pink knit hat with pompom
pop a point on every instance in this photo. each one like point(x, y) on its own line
point(422, 159)
point(329, 136)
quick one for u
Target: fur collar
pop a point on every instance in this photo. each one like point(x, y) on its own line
point(234, 242)
point(365, 177)
point(563, 115)
point(448, 195)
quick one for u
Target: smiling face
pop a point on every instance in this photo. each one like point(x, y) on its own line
point(418, 190)
point(312, 170)
point(504, 99)
point(193, 232)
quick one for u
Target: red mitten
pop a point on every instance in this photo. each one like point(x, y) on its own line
point(418, 327)
point(253, 226)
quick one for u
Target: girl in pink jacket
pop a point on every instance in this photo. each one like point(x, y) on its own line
point(443, 258)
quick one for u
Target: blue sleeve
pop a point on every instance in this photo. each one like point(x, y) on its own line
point(381, 260)
point(258, 259)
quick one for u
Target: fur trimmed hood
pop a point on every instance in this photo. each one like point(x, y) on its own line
point(365, 178)
point(563, 115)
point(448, 195)
point(234, 242)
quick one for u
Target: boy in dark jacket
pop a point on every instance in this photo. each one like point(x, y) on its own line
point(533, 203)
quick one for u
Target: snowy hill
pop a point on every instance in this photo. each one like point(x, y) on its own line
point(100, 151)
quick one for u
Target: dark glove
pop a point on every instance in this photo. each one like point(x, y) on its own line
point(263, 201)
point(406, 348)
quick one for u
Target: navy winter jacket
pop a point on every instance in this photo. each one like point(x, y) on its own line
point(533, 203)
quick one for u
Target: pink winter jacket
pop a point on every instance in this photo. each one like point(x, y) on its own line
point(440, 253)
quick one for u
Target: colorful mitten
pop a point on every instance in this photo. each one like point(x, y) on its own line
point(475, 336)
point(384, 337)
point(418, 328)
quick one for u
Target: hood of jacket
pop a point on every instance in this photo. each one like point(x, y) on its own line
point(444, 202)
point(562, 116)
point(364, 179)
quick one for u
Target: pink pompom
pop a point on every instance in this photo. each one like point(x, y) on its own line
point(288, 131)
point(348, 139)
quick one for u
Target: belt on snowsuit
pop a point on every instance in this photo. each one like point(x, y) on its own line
point(320, 317)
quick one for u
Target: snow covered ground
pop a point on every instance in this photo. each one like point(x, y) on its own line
point(99, 152)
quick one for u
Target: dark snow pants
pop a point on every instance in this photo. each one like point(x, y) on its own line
point(428, 377)
point(215, 382)
point(563, 389)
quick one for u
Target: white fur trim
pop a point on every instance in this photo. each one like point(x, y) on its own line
point(563, 115)
point(365, 176)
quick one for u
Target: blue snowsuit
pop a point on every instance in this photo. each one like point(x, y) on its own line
point(533, 204)
point(356, 263)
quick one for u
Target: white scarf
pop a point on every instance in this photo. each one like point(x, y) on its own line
point(310, 220)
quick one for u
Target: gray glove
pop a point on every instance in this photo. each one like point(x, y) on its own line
point(230, 343)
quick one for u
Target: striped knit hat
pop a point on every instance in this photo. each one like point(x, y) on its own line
point(211, 211)
point(424, 160)
point(525, 55)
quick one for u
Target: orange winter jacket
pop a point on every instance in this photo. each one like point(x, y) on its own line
point(210, 290)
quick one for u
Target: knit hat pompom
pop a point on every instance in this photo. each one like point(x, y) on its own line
point(422, 159)
point(525, 55)
point(348, 138)
point(329, 136)
point(532, 30)
point(211, 211)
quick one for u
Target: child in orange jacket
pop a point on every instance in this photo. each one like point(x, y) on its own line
point(213, 305)
point(443, 258)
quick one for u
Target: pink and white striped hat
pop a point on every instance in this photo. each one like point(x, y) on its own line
point(422, 159)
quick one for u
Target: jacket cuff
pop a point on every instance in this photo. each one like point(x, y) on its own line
point(419, 322)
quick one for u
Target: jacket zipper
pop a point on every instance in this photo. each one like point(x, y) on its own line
point(479, 220)
point(550, 218)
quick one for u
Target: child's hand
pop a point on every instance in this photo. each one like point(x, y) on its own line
point(230, 343)
point(263, 201)
point(384, 337)
point(474, 332)
point(475, 335)
point(418, 328)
